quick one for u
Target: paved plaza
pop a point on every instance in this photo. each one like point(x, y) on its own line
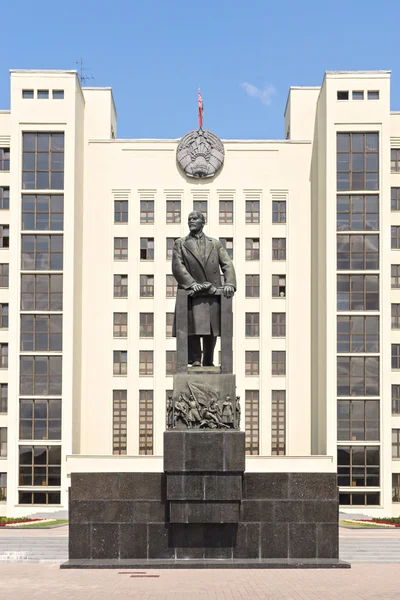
point(38, 581)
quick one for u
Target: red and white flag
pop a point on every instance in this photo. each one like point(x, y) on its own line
point(201, 109)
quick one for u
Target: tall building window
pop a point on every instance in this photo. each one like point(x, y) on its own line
point(358, 420)
point(396, 443)
point(48, 498)
point(278, 423)
point(3, 487)
point(252, 324)
point(120, 324)
point(395, 487)
point(171, 286)
point(252, 211)
point(169, 248)
point(40, 419)
point(42, 161)
point(252, 421)
point(3, 398)
point(395, 356)
point(169, 321)
point(120, 286)
point(252, 286)
point(146, 362)
point(170, 362)
point(146, 248)
point(395, 159)
point(40, 375)
point(358, 466)
point(119, 421)
point(358, 376)
point(395, 198)
point(227, 243)
point(395, 237)
point(146, 325)
point(41, 292)
point(252, 363)
point(395, 399)
point(279, 211)
point(147, 211)
point(358, 292)
point(4, 236)
point(278, 248)
point(4, 159)
point(39, 465)
point(357, 334)
point(120, 211)
point(357, 161)
point(359, 498)
point(252, 249)
point(358, 213)
point(395, 279)
point(278, 286)
point(358, 252)
point(278, 324)
point(146, 286)
point(3, 316)
point(226, 211)
point(146, 422)
point(41, 333)
point(278, 362)
point(173, 211)
point(395, 316)
point(42, 212)
point(4, 270)
point(120, 362)
point(42, 252)
point(43, 94)
point(120, 248)
point(3, 442)
point(4, 197)
point(58, 94)
point(3, 356)
point(202, 207)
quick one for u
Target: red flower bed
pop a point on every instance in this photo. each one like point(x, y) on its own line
point(17, 521)
point(379, 521)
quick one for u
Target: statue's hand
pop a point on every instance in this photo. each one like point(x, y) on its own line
point(229, 290)
point(196, 287)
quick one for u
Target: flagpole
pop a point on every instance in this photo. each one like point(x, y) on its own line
point(200, 108)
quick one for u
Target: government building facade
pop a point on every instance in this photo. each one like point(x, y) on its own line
point(87, 227)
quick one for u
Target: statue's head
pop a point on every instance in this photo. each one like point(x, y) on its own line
point(196, 221)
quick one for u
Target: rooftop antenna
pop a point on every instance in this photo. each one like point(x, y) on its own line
point(84, 76)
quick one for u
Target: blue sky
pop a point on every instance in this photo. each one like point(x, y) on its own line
point(244, 54)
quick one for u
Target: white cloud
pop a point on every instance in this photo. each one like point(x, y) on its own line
point(264, 95)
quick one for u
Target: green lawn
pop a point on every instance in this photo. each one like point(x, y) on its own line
point(359, 525)
point(37, 524)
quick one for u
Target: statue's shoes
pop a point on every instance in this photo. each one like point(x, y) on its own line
point(196, 363)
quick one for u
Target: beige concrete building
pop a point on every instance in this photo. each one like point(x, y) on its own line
point(87, 223)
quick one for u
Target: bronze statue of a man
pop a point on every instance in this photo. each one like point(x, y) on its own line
point(196, 263)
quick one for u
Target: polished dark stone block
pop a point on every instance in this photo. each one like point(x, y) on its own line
point(302, 540)
point(203, 512)
point(158, 541)
point(210, 451)
point(79, 540)
point(312, 486)
point(148, 511)
point(195, 535)
point(133, 540)
point(247, 541)
point(288, 511)
point(257, 510)
point(327, 540)
point(141, 486)
point(105, 540)
point(264, 563)
point(274, 540)
point(266, 486)
point(201, 486)
point(94, 486)
point(321, 511)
